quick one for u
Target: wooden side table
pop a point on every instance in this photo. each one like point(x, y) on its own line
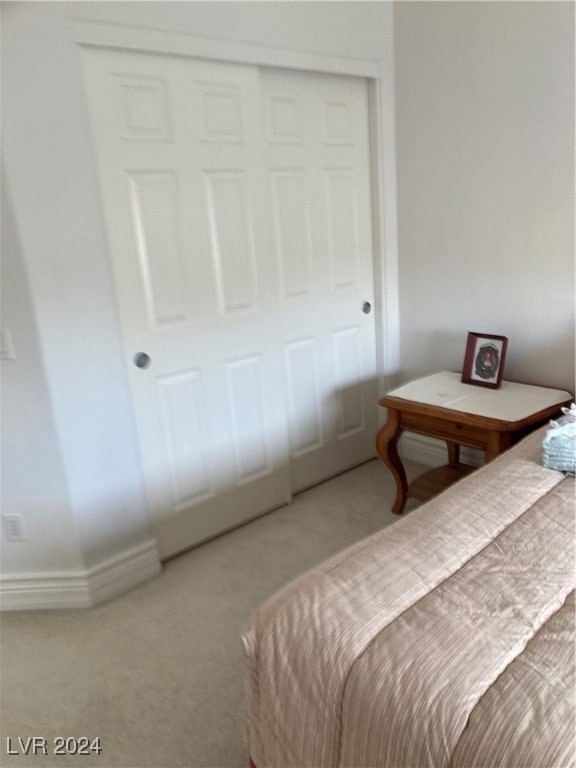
point(441, 406)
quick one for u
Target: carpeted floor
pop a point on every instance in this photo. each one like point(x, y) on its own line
point(156, 674)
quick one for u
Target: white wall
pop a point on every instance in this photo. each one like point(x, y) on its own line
point(485, 163)
point(50, 169)
point(33, 482)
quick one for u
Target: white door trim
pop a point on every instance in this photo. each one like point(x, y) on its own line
point(380, 73)
point(106, 34)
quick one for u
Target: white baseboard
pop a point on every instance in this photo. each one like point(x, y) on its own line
point(33, 591)
point(432, 452)
point(80, 589)
point(118, 575)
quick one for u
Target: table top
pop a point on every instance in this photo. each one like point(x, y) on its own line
point(511, 402)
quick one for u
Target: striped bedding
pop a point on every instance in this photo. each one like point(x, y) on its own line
point(447, 639)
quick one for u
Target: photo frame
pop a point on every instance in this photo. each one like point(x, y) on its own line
point(484, 359)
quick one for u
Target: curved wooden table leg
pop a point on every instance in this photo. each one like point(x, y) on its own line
point(386, 445)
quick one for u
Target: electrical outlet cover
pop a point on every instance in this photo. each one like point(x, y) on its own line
point(12, 524)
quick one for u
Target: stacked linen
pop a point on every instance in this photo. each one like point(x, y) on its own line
point(559, 444)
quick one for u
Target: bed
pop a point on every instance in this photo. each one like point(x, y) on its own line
point(446, 639)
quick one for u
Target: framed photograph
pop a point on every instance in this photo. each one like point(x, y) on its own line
point(484, 359)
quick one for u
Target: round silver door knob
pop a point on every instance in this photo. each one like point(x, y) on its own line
point(142, 360)
point(366, 307)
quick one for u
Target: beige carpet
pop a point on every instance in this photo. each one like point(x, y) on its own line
point(157, 673)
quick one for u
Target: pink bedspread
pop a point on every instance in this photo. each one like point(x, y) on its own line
point(447, 639)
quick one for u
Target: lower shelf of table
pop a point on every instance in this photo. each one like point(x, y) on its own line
point(435, 480)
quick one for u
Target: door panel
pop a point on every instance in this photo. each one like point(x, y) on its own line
point(184, 431)
point(178, 155)
point(292, 228)
point(247, 417)
point(348, 374)
point(316, 153)
point(231, 240)
point(305, 418)
point(342, 216)
point(154, 199)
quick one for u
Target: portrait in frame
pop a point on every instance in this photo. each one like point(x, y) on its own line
point(484, 359)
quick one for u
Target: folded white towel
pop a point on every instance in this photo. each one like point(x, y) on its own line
point(559, 444)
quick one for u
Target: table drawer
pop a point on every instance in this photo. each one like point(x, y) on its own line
point(466, 434)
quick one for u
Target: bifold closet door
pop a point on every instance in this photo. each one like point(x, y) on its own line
point(317, 162)
point(248, 357)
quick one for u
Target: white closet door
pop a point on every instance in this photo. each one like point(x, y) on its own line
point(179, 156)
point(237, 206)
point(317, 158)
